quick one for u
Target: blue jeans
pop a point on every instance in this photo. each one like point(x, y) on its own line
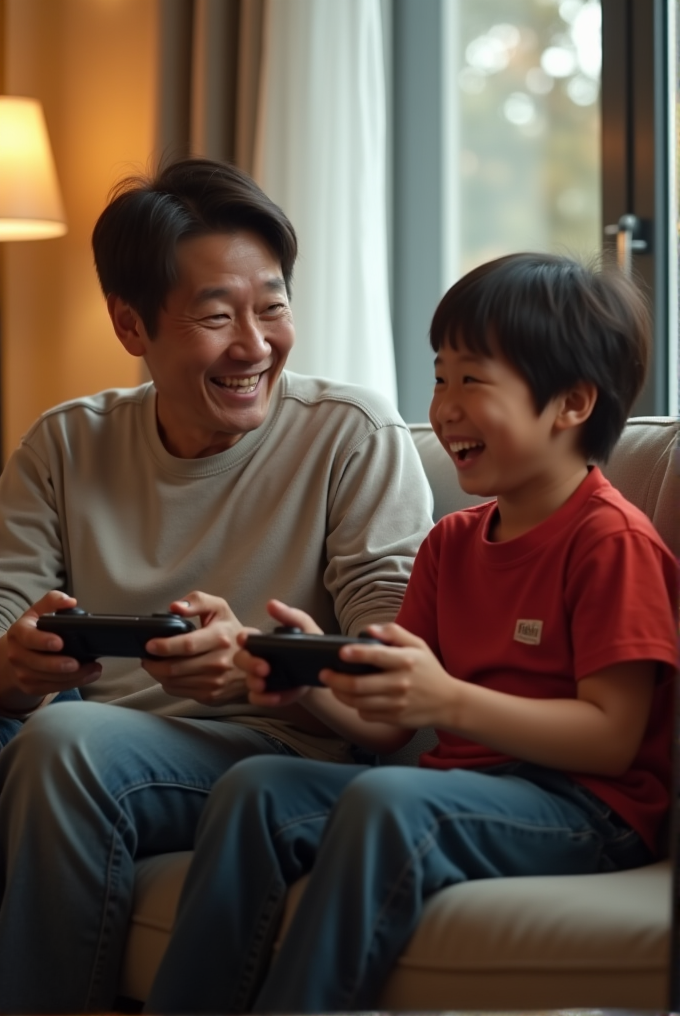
point(85, 790)
point(10, 727)
point(378, 842)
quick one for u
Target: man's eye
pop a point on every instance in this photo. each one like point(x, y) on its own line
point(468, 379)
point(438, 380)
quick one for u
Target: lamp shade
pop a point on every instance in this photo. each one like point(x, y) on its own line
point(30, 203)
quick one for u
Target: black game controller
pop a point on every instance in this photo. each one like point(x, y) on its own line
point(296, 658)
point(89, 636)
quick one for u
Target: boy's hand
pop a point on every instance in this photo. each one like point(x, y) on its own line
point(256, 669)
point(413, 689)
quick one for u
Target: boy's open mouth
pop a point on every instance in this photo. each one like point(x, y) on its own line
point(463, 451)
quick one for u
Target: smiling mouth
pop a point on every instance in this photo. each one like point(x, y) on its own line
point(241, 385)
point(464, 450)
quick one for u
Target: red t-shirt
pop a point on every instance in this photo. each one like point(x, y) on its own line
point(591, 586)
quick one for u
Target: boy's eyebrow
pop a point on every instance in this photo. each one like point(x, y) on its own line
point(462, 358)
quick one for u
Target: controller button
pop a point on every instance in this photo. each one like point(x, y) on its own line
point(287, 629)
point(366, 635)
point(71, 611)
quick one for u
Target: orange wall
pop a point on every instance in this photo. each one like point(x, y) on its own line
point(93, 64)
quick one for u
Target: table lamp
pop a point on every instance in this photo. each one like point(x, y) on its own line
point(30, 202)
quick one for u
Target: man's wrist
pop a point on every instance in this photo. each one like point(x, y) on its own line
point(23, 711)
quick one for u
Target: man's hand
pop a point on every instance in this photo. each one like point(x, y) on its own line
point(257, 669)
point(200, 665)
point(411, 689)
point(29, 665)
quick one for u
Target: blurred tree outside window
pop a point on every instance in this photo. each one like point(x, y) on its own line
point(522, 122)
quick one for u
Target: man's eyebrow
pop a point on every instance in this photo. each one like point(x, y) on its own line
point(273, 285)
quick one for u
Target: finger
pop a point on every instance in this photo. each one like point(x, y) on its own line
point(195, 643)
point(56, 599)
point(209, 691)
point(275, 698)
point(203, 605)
point(286, 615)
point(251, 664)
point(394, 635)
point(244, 633)
point(46, 683)
point(385, 657)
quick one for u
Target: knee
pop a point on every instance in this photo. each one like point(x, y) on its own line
point(251, 778)
point(49, 741)
point(377, 796)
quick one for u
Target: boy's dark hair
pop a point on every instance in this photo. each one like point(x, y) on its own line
point(557, 322)
point(135, 238)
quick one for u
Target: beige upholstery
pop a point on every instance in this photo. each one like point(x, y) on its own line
point(561, 942)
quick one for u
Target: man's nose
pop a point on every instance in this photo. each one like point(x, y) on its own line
point(250, 342)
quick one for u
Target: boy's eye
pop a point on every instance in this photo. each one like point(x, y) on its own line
point(468, 379)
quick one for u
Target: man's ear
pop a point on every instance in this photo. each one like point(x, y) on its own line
point(575, 405)
point(127, 325)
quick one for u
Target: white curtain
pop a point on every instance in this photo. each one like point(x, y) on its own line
point(320, 154)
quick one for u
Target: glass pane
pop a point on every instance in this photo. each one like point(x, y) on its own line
point(522, 128)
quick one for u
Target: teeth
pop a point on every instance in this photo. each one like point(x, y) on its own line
point(459, 446)
point(238, 382)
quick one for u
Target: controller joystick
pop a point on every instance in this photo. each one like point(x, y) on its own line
point(71, 612)
point(287, 629)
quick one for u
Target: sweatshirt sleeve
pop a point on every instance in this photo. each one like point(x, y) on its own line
point(380, 510)
point(31, 542)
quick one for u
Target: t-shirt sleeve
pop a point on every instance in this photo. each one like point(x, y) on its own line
point(419, 613)
point(636, 580)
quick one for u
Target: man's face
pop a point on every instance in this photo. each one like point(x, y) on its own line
point(222, 340)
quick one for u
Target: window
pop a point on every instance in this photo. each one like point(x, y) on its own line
point(530, 124)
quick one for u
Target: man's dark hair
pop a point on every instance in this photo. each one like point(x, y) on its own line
point(557, 322)
point(136, 236)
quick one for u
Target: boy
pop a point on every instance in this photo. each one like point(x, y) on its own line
point(537, 635)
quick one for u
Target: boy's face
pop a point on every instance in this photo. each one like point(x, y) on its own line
point(484, 415)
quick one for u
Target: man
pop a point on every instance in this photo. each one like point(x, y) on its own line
point(223, 482)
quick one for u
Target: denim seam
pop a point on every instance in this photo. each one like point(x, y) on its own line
point(263, 933)
point(427, 842)
point(313, 816)
point(113, 878)
point(113, 871)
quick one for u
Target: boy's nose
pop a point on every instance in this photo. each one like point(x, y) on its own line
point(448, 409)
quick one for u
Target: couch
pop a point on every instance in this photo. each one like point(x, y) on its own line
point(524, 943)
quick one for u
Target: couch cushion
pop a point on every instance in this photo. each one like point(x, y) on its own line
point(594, 940)
point(644, 466)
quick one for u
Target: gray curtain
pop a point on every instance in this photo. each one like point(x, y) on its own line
point(209, 68)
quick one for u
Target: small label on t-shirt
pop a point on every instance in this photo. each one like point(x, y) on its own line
point(529, 632)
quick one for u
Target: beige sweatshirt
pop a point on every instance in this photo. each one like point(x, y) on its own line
point(324, 506)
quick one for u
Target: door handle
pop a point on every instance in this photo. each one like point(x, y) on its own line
point(632, 234)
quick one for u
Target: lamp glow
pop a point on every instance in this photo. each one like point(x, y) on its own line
point(30, 201)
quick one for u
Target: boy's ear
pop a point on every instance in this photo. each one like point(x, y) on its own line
point(575, 406)
point(127, 325)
